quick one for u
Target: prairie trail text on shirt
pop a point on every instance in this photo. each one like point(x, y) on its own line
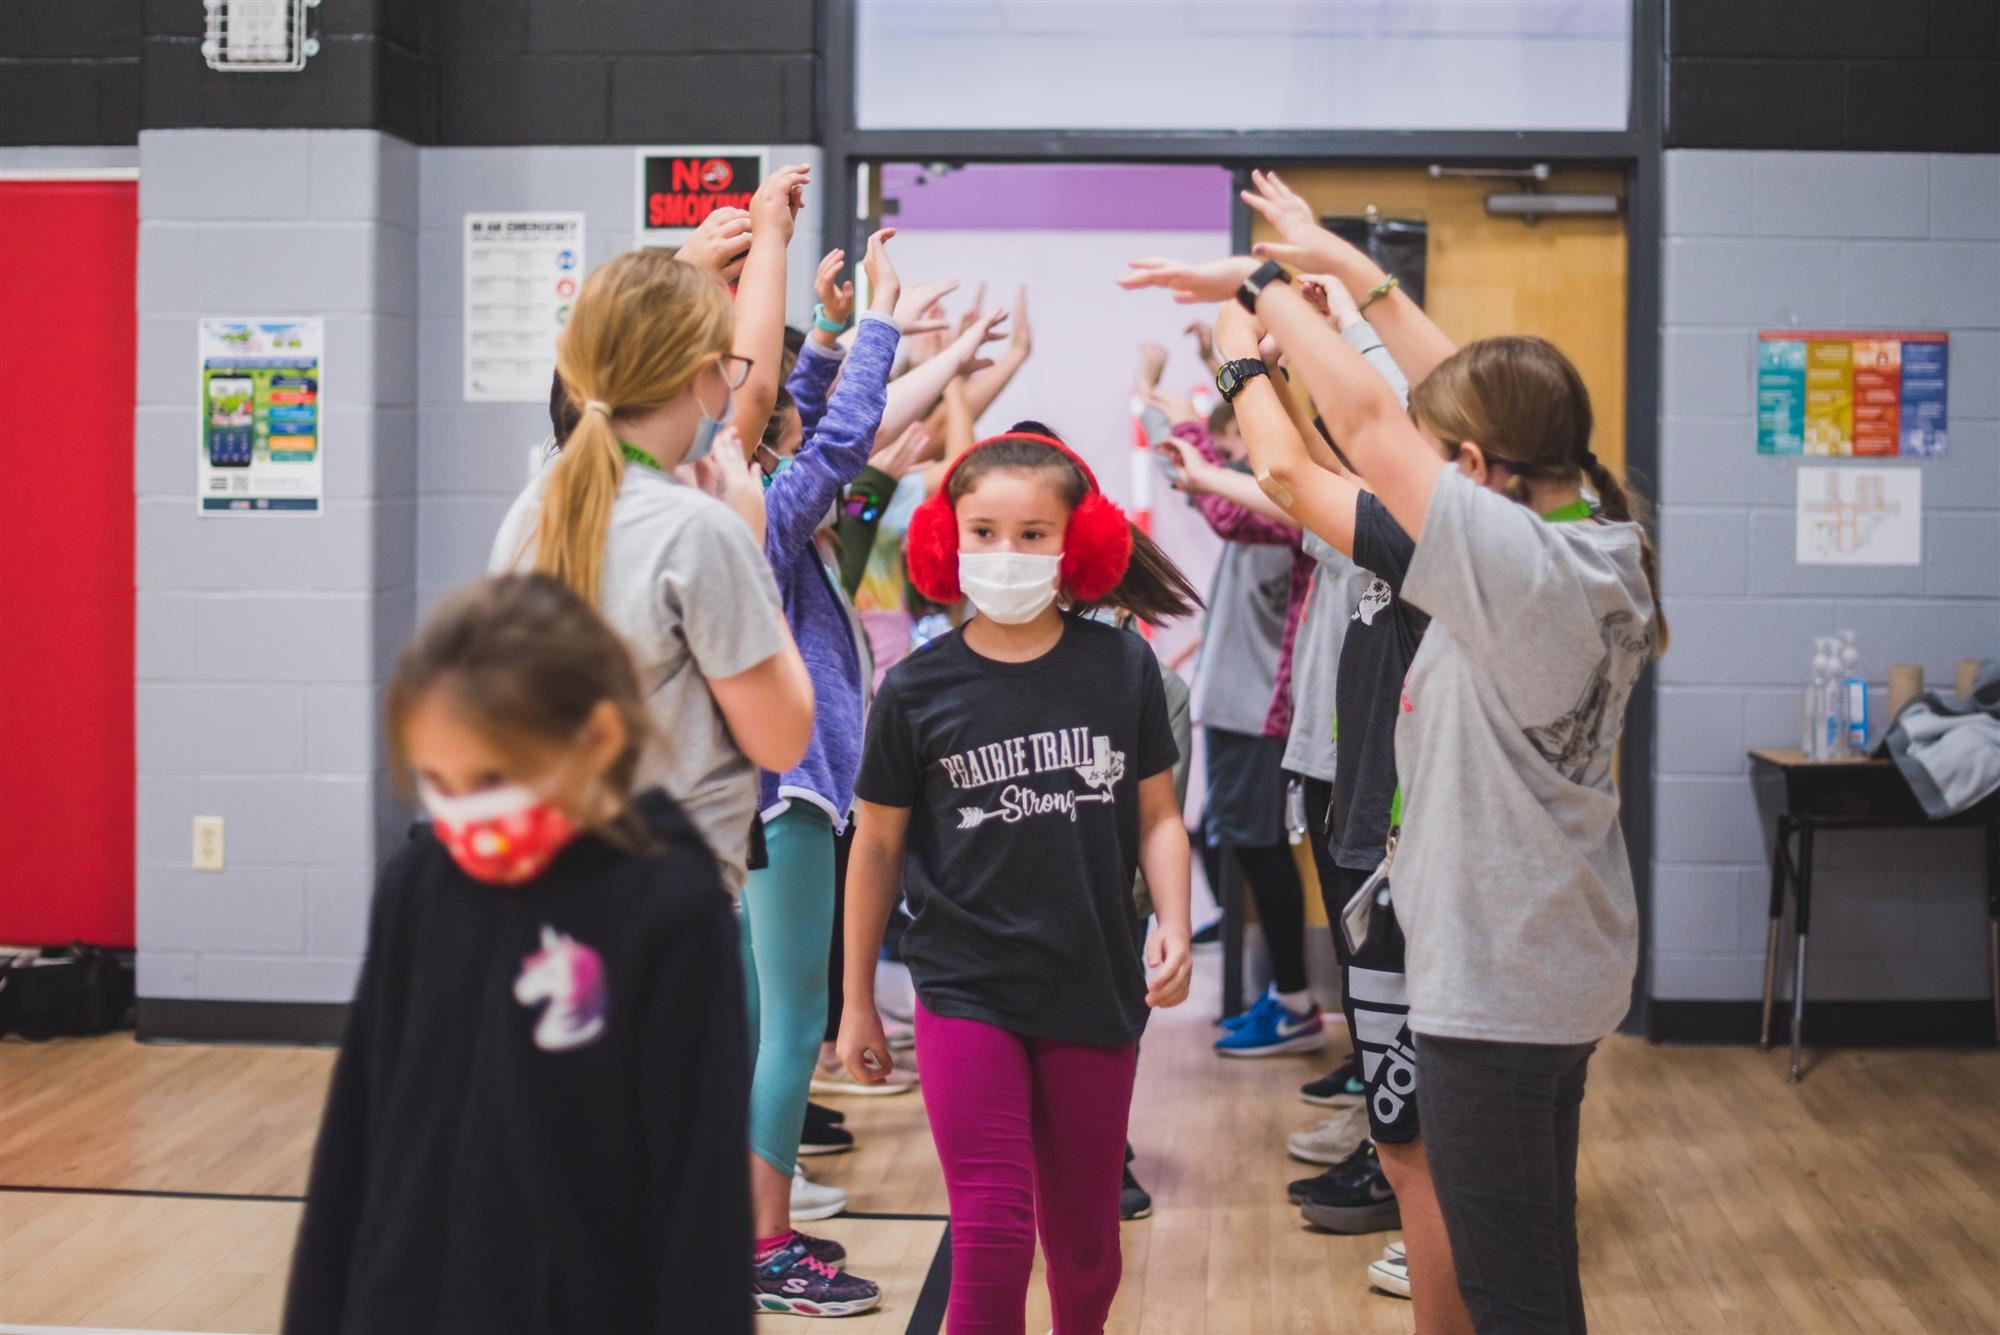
point(1017, 757)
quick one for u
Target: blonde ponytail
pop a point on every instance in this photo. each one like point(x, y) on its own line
point(1616, 504)
point(643, 327)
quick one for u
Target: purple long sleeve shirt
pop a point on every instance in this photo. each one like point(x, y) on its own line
point(839, 436)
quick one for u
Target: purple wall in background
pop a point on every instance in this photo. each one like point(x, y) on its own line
point(1010, 196)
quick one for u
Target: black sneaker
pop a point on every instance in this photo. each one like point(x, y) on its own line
point(1340, 1088)
point(825, 1138)
point(1210, 934)
point(1351, 1197)
point(1134, 1201)
point(819, 1112)
point(795, 1281)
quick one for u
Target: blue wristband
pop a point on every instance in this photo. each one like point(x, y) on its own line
point(824, 325)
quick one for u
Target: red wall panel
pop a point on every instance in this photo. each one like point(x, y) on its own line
point(68, 254)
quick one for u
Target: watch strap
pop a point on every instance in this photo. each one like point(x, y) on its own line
point(1267, 273)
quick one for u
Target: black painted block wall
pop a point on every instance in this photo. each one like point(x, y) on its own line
point(1868, 75)
point(69, 71)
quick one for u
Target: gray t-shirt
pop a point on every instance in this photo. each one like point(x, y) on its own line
point(1337, 585)
point(1512, 881)
point(1241, 636)
point(686, 587)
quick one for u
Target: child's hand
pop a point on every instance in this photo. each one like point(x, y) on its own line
point(885, 287)
point(1330, 297)
point(1171, 960)
point(837, 297)
point(719, 244)
point(861, 1038)
point(775, 206)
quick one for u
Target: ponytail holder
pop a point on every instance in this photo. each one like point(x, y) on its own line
point(596, 406)
point(1097, 545)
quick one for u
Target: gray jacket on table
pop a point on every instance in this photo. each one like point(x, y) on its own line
point(1947, 748)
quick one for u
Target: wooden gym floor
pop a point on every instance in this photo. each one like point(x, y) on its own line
point(154, 1188)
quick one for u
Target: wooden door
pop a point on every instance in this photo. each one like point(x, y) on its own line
point(1561, 277)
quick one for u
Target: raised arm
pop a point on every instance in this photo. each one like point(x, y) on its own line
point(1198, 477)
point(912, 396)
point(1416, 343)
point(820, 358)
point(1229, 520)
point(1308, 494)
point(760, 298)
point(986, 386)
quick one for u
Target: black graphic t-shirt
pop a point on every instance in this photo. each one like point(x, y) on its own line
point(1023, 785)
point(1381, 640)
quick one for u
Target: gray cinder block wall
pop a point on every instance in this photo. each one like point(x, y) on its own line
point(264, 643)
point(1814, 240)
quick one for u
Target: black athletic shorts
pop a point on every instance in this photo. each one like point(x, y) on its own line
point(1376, 1000)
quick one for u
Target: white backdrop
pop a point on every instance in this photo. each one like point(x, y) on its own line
point(1087, 337)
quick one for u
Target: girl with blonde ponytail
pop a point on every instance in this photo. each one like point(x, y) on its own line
point(648, 513)
point(1511, 879)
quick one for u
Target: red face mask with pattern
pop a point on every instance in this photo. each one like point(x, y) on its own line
point(503, 836)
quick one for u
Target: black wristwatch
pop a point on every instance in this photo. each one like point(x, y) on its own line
point(1267, 273)
point(1231, 377)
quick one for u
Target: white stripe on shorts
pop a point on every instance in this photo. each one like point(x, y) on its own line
point(1377, 1029)
point(1384, 989)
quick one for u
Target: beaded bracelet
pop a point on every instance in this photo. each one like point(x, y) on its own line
point(1381, 290)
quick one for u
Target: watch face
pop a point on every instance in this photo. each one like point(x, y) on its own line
point(1225, 379)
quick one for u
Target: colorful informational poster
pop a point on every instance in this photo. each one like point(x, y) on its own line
point(259, 438)
point(1860, 516)
point(1781, 396)
point(522, 272)
point(1845, 394)
point(679, 187)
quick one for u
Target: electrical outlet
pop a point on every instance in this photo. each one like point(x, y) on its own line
point(208, 843)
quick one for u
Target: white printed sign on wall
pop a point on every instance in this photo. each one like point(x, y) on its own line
point(522, 272)
point(1861, 517)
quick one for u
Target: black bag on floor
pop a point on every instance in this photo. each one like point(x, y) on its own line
point(65, 993)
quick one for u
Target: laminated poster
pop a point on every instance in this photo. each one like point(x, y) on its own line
point(522, 271)
point(1851, 394)
point(259, 435)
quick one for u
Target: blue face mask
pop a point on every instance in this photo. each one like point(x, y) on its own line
point(784, 462)
point(705, 429)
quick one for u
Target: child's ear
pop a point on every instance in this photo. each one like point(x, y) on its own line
point(604, 736)
point(1472, 462)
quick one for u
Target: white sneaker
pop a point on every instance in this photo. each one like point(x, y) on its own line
point(1391, 1274)
point(895, 994)
point(814, 1200)
point(833, 1081)
point(1394, 1251)
point(1332, 1140)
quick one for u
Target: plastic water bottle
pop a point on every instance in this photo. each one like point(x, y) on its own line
point(1825, 730)
point(1295, 812)
point(1854, 696)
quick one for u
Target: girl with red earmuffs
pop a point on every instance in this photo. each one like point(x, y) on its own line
point(1016, 772)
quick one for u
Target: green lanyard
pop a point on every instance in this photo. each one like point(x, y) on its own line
point(1562, 514)
point(634, 455)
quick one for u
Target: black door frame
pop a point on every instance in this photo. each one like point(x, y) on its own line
point(1635, 150)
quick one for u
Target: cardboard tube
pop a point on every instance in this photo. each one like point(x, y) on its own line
point(1966, 677)
point(1906, 683)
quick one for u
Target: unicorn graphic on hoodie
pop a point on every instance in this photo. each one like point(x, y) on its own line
point(569, 976)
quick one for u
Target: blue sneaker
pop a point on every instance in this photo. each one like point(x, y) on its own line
point(1261, 1006)
point(1270, 1030)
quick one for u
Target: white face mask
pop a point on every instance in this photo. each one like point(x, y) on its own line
point(705, 429)
point(1009, 587)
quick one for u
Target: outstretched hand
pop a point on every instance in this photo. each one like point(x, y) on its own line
point(776, 204)
point(885, 287)
point(900, 457)
point(1217, 280)
point(732, 477)
point(1304, 244)
point(1152, 361)
point(1024, 335)
point(835, 296)
point(1330, 297)
point(978, 334)
point(914, 303)
point(719, 244)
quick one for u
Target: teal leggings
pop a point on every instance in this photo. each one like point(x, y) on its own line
point(787, 927)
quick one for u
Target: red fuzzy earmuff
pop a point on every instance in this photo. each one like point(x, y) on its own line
point(1097, 545)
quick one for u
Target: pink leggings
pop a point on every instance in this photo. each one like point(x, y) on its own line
point(1030, 1132)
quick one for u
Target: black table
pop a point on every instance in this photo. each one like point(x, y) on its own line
point(1857, 794)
